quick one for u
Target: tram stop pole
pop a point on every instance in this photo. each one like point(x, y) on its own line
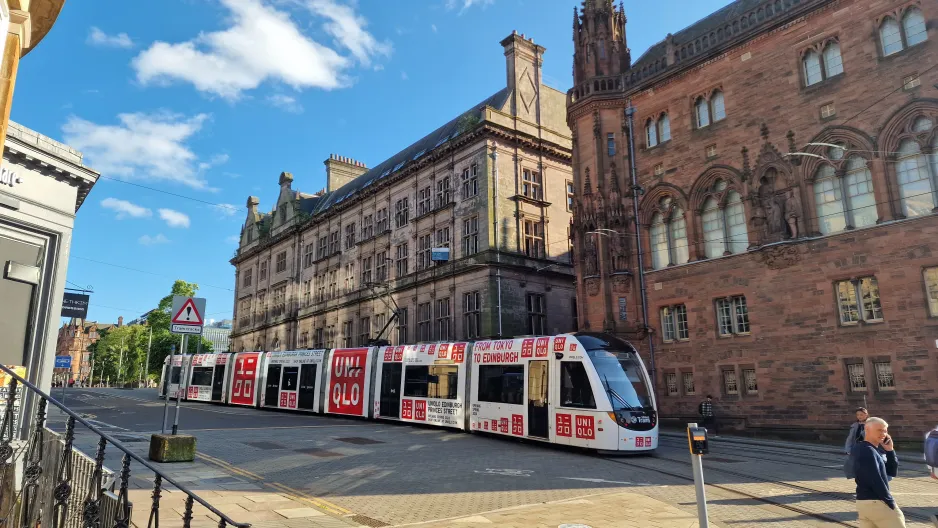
point(183, 382)
point(167, 381)
point(697, 442)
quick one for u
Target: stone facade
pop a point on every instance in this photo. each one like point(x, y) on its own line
point(75, 337)
point(329, 269)
point(785, 154)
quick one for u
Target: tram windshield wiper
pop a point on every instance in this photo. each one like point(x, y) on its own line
point(613, 393)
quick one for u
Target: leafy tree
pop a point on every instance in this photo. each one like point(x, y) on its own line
point(164, 342)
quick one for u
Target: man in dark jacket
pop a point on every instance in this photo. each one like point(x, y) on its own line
point(874, 462)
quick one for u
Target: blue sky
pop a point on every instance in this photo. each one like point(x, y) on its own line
point(212, 99)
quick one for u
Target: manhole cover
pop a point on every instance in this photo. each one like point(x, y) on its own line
point(368, 521)
point(321, 453)
point(357, 440)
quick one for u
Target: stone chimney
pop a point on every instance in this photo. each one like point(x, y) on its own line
point(253, 202)
point(120, 321)
point(341, 170)
point(524, 59)
point(286, 180)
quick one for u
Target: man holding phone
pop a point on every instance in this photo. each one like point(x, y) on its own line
point(874, 463)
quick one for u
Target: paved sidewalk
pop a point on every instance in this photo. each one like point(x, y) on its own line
point(608, 510)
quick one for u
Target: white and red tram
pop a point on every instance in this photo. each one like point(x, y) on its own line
point(206, 377)
point(172, 375)
point(586, 389)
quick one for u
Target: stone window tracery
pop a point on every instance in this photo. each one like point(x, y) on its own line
point(709, 109)
point(898, 31)
point(843, 193)
point(658, 130)
point(723, 217)
point(821, 62)
point(668, 235)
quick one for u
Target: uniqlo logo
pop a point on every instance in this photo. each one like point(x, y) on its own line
point(495, 424)
point(504, 425)
point(192, 392)
point(283, 399)
point(444, 347)
point(485, 425)
point(420, 410)
point(292, 401)
point(647, 441)
point(431, 349)
point(540, 349)
point(572, 347)
point(459, 352)
point(517, 425)
point(399, 354)
point(560, 344)
point(407, 409)
point(585, 428)
point(639, 441)
point(527, 348)
point(389, 354)
point(563, 425)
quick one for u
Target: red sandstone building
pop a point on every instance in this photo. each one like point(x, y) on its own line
point(786, 154)
point(74, 338)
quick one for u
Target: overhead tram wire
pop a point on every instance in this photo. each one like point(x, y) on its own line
point(177, 195)
point(144, 272)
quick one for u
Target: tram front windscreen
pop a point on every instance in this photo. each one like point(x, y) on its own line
point(623, 378)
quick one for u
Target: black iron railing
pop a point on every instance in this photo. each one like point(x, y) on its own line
point(50, 471)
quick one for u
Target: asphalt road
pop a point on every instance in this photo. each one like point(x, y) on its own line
point(398, 473)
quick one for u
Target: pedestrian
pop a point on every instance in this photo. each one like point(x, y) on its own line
point(874, 462)
point(931, 453)
point(857, 431)
point(705, 410)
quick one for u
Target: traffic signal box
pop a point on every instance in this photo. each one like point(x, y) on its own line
point(697, 440)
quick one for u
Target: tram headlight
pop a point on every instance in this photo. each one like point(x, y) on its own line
point(620, 418)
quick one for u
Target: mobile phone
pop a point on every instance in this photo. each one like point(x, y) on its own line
point(887, 441)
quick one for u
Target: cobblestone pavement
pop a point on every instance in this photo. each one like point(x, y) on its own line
point(380, 474)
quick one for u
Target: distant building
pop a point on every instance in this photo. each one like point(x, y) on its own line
point(219, 336)
point(74, 339)
point(142, 320)
point(488, 193)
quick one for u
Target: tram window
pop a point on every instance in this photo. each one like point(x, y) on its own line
point(415, 381)
point(442, 382)
point(202, 376)
point(290, 377)
point(174, 376)
point(501, 384)
point(575, 388)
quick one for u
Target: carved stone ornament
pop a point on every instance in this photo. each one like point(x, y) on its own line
point(780, 257)
point(592, 286)
point(622, 284)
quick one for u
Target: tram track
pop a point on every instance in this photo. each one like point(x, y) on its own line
point(910, 513)
point(833, 459)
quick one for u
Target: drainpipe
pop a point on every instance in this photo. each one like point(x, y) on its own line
point(630, 113)
point(498, 255)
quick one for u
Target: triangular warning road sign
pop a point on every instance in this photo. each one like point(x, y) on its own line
point(188, 314)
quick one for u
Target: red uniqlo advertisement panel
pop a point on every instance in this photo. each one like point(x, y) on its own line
point(407, 409)
point(540, 347)
point(564, 425)
point(585, 428)
point(347, 387)
point(244, 381)
point(459, 353)
point(517, 425)
point(527, 348)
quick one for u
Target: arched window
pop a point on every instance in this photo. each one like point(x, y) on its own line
point(668, 238)
point(915, 189)
point(890, 37)
point(717, 107)
point(833, 62)
point(664, 128)
point(713, 229)
point(703, 112)
point(812, 68)
point(725, 228)
point(861, 201)
point(651, 133)
point(913, 25)
point(828, 198)
point(922, 124)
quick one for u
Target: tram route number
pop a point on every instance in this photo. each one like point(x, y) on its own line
point(581, 426)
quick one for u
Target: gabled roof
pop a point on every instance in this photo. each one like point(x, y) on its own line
point(398, 161)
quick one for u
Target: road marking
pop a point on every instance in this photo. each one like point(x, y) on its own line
point(604, 481)
point(230, 467)
point(507, 472)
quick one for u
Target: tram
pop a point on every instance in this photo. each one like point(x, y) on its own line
point(589, 390)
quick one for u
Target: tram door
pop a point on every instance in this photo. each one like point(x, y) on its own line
point(272, 391)
point(391, 390)
point(218, 382)
point(307, 386)
point(538, 414)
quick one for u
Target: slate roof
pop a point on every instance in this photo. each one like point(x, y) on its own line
point(318, 205)
point(733, 12)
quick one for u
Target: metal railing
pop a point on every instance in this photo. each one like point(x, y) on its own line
point(46, 481)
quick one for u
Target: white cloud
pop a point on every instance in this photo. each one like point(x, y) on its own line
point(149, 146)
point(216, 160)
point(174, 218)
point(226, 209)
point(466, 4)
point(286, 102)
point(99, 38)
point(433, 27)
point(125, 208)
point(404, 76)
point(263, 43)
point(148, 240)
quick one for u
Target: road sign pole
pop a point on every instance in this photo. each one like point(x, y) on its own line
point(146, 366)
point(182, 382)
point(167, 381)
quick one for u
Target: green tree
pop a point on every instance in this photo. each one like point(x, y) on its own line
point(164, 342)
